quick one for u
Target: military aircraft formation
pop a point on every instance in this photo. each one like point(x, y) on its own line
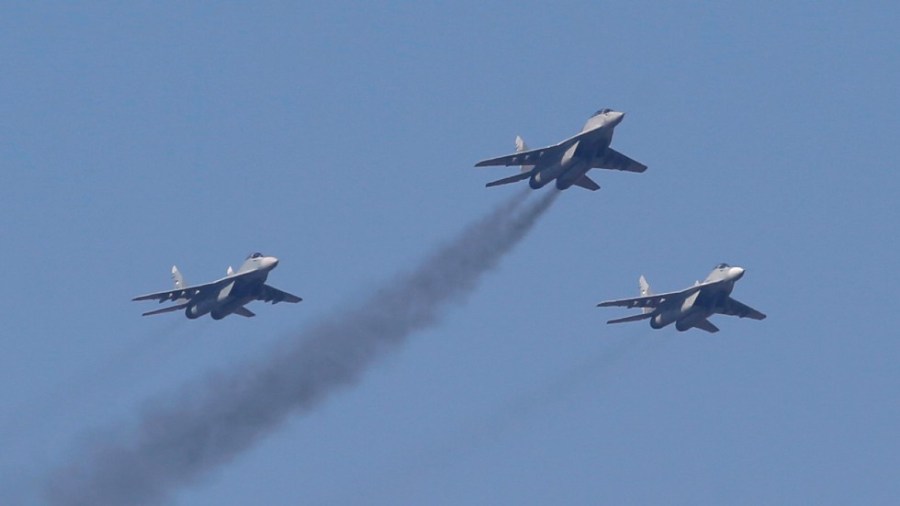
point(567, 163)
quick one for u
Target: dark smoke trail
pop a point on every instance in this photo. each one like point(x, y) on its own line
point(176, 442)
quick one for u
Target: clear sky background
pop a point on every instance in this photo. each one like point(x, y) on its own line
point(340, 138)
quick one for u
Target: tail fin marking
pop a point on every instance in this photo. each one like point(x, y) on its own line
point(646, 291)
point(177, 278)
point(521, 146)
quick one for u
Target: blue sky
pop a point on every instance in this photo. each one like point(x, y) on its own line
point(341, 139)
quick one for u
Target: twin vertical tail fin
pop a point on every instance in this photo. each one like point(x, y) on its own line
point(177, 278)
point(646, 291)
point(179, 284)
point(646, 313)
point(525, 173)
point(521, 146)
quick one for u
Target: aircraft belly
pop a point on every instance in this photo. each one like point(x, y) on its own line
point(594, 148)
point(690, 318)
point(714, 295)
point(229, 306)
point(543, 175)
point(665, 318)
point(196, 309)
point(573, 173)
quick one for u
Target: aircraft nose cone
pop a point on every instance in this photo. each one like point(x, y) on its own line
point(618, 117)
point(270, 262)
point(736, 272)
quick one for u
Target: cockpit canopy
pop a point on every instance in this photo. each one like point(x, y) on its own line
point(602, 111)
point(722, 266)
point(255, 255)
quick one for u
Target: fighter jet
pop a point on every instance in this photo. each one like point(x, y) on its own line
point(569, 161)
point(690, 307)
point(224, 296)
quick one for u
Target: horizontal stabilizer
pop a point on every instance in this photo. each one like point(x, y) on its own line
point(511, 179)
point(632, 318)
point(246, 313)
point(706, 325)
point(587, 183)
point(165, 310)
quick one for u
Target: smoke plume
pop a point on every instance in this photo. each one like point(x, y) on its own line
point(180, 438)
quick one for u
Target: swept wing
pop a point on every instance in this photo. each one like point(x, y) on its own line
point(521, 158)
point(533, 156)
point(189, 292)
point(655, 300)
